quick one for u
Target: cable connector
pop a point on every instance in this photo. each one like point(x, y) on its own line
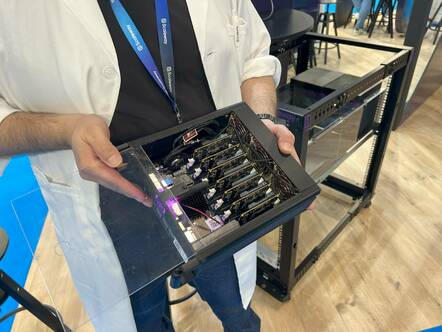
point(211, 193)
point(190, 163)
point(197, 173)
point(218, 204)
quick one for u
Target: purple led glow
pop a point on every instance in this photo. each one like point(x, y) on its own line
point(159, 205)
point(170, 204)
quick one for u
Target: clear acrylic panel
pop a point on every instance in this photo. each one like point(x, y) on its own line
point(95, 251)
point(48, 279)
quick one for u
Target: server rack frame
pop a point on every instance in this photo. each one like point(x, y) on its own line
point(280, 281)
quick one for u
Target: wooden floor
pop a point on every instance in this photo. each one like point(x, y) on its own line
point(380, 35)
point(383, 273)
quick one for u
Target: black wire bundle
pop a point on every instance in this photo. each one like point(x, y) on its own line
point(178, 151)
point(205, 127)
point(240, 131)
point(258, 155)
point(282, 184)
point(206, 131)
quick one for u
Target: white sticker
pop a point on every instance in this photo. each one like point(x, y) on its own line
point(212, 224)
point(177, 209)
point(156, 182)
point(190, 236)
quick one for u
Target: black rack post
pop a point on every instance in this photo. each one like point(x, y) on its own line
point(289, 234)
point(279, 282)
point(384, 130)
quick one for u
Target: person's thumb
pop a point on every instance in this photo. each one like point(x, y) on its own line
point(105, 150)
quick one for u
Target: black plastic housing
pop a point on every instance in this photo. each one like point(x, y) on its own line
point(222, 247)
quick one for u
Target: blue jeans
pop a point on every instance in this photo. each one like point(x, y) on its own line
point(217, 285)
point(363, 7)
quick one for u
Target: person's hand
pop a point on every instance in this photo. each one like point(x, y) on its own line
point(286, 142)
point(97, 159)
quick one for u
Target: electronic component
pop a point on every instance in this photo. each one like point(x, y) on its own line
point(229, 176)
point(218, 182)
point(212, 147)
point(234, 174)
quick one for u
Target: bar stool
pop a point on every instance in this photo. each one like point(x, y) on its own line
point(327, 18)
point(384, 12)
point(369, 18)
point(388, 9)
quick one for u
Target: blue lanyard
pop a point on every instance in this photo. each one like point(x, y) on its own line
point(142, 51)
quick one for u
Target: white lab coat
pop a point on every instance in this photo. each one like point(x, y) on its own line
point(57, 56)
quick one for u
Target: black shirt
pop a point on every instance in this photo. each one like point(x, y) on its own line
point(142, 108)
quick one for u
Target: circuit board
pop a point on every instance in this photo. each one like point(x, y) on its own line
point(222, 178)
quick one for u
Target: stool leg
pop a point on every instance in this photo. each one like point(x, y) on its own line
point(321, 19)
point(384, 11)
point(370, 16)
point(312, 55)
point(390, 17)
point(336, 34)
point(375, 18)
point(327, 32)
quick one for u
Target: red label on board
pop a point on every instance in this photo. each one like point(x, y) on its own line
point(190, 135)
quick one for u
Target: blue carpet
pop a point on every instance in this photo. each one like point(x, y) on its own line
point(18, 180)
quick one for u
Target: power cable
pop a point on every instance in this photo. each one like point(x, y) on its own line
point(184, 298)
